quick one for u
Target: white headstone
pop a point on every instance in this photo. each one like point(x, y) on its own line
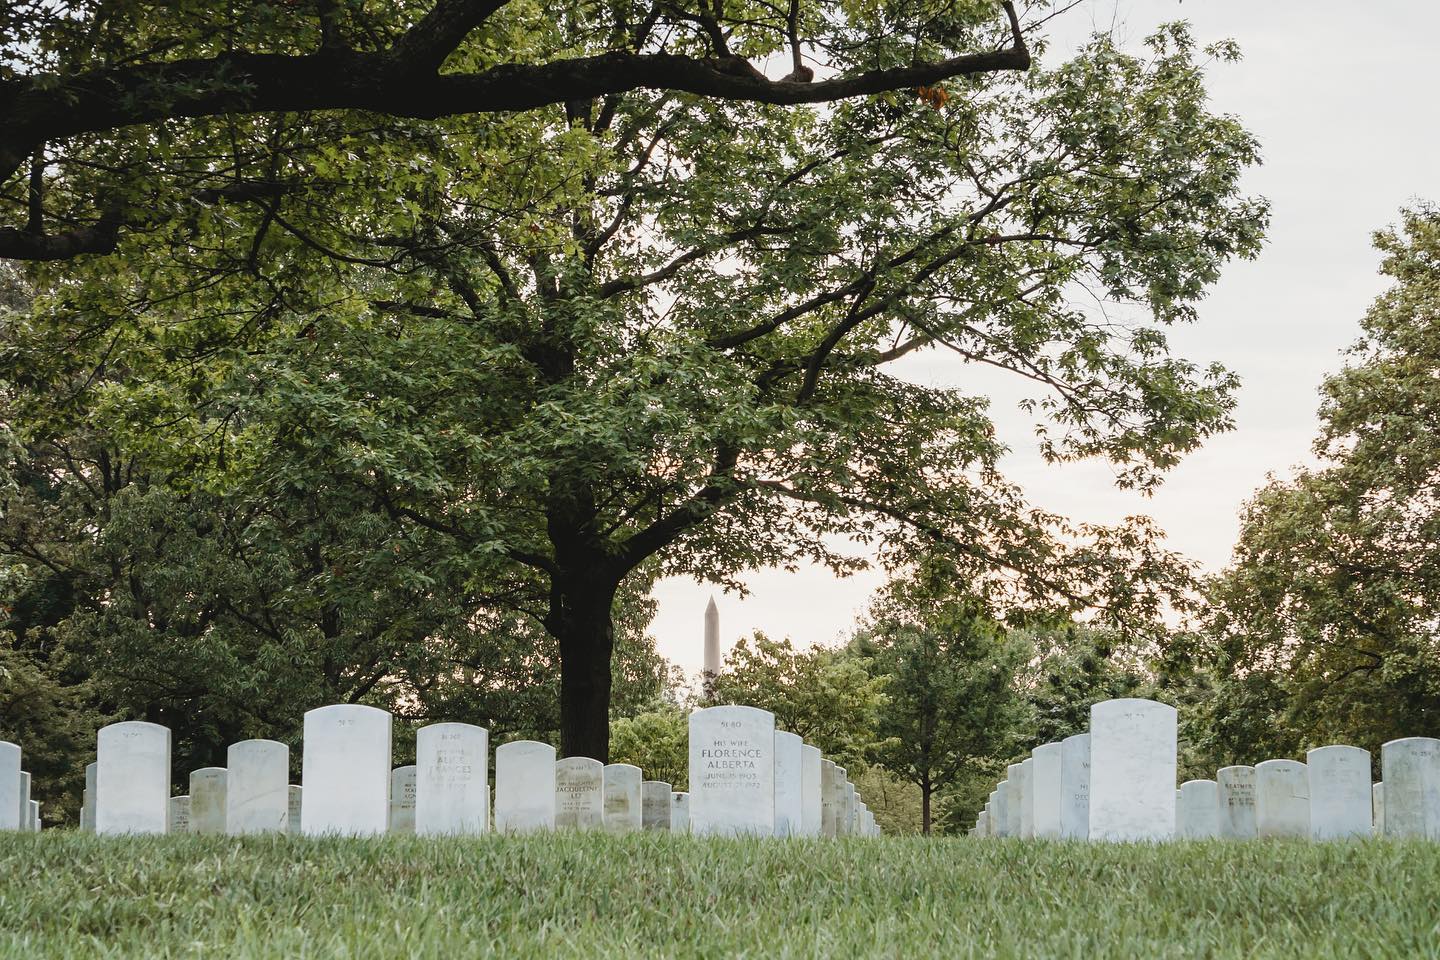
point(1075, 786)
point(208, 797)
point(655, 799)
point(1236, 793)
point(524, 787)
point(830, 790)
point(990, 819)
point(1282, 799)
point(848, 817)
point(296, 806)
point(22, 812)
point(732, 771)
point(132, 778)
point(1377, 797)
point(180, 814)
point(1003, 802)
point(12, 795)
point(1197, 816)
point(1027, 798)
point(580, 794)
point(345, 770)
point(452, 779)
point(789, 784)
point(1132, 770)
point(87, 809)
point(35, 824)
point(1410, 770)
point(680, 812)
point(622, 798)
point(1339, 792)
point(1045, 782)
point(810, 812)
point(1015, 801)
point(257, 787)
point(402, 799)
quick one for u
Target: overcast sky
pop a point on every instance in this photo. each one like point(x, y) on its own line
point(1342, 98)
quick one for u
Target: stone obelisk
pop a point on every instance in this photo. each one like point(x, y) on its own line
point(712, 647)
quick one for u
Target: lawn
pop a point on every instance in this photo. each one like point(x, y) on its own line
point(71, 895)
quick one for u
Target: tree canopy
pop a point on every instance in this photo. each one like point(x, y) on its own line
point(951, 700)
point(96, 96)
point(1328, 618)
point(452, 392)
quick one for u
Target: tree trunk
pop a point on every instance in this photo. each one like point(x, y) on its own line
point(583, 626)
point(925, 791)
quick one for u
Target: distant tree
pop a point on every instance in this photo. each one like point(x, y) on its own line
point(1326, 627)
point(1074, 667)
point(894, 801)
point(657, 741)
point(951, 698)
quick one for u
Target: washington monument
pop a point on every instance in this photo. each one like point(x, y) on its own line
point(712, 645)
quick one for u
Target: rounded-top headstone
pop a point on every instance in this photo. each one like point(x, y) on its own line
point(87, 809)
point(789, 784)
point(1045, 783)
point(655, 800)
point(1075, 787)
point(402, 800)
point(580, 794)
point(208, 800)
point(623, 813)
point(830, 791)
point(1236, 799)
point(811, 814)
point(732, 771)
point(1132, 770)
point(257, 788)
point(452, 779)
point(1410, 770)
point(680, 812)
point(1197, 814)
point(1004, 799)
point(180, 814)
point(11, 795)
point(132, 778)
point(524, 787)
point(1282, 799)
point(1015, 803)
point(1339, 792)
point(1027, 798)
point(296, 807)
point(345, 771)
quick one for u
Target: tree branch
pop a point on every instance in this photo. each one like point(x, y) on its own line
point(426, 45)
point(37, 108)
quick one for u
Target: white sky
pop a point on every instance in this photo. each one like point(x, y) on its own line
point(1342, 97)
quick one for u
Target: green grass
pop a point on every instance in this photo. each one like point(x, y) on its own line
point(71, 895)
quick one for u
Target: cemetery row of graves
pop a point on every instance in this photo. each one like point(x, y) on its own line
point(746, 778)
point(1117, 782)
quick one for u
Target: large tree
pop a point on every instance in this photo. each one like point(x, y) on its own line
point(656, 333)
point(1325, 625)
point(122, 77)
